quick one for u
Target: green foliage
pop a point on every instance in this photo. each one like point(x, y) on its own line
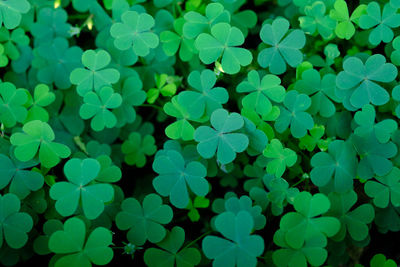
point(199, 132)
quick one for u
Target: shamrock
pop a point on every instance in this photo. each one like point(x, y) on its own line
point(381, 22)
point(309, 142)
point(316, 20)
point(339, 164)
point(261, 92)
point(198, 202)
point(76, 250)
point(365, 118)
point(308, 207)
point(12, 101)
point(283, 49)
point(79, 189)
point(172, 41)
point(51, 23)
point(97, 105)
point(135, 33)
point(345, 28)
point(182, 127)
point(374, 156)
point(136, 148)
point(313, 251)
point(171, 254)
point(144, 221)
point(220, 139)
point(22, 181)
point(354, 222)
point(197, 23)
point(11, 12)
point(13, 41)
point(223, 43)
point(359, 79)
point(385, 190)
point(38, 135)
point(280, 194)
point(95, 75)
point(321, 91)
point(294, 115)
point(14, 225)
point(42, 97)
point(282, 157)
point(238, 247)
point(175, 176)
point(164, 86)
point(206, 97)
point(56, 61)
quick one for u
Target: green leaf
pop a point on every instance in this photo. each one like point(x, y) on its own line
point(281, 157)
point(12, 100)
point(136, 148)
point(11, 12)
point(385, 189)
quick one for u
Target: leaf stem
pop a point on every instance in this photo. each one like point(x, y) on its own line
point(197, 239)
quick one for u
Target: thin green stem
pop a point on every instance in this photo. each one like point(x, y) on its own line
point(197, 239)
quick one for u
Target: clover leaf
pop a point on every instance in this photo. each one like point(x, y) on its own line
point(261, 92)
point(381, 22)
point(97, 106)
point(281, 157)
point(345, 28)
point(145, 222)
point(172, 41)
point(223, 43)
point(379, 260)
point(238, 247)
point(385, 189)
point(283, 50)
point(171, 254)
point(75, 249)
point(42, 97)
point(395, 56)
point(294, 115)
point(11, 12)
point(21, 181)
point(221, 139)
point(175, 176)
point(163, 86)
point(80, 190)
point(306, 217)
point(12, 101)
point(135, 33)
point(197, 23)
point(279, 193)
point(206, 98)
point(13, 41)
point(354, 222)
point(321, 91)
point(359, 80)
point(38, 136)
point(51, 23)
point(95, 75)
point(136, 148)
point(317, 21)
point(338, 166)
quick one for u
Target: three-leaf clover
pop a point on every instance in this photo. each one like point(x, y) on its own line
point(238, 247)
point(77, 250)
point(14, 225)
point(136, 148)
point(95, 75)
point(294, 115)
point(11, 12)
point(80, 189)
point(42, 97)
point(171, 253)
point(317, 21)
point(261, 92)
point(97, 106)
point(135, 33)
point(385, 189)
point(338, 166)
point(221, 139)
point(223, 43)
point(359, 80)
point(381, 22)
point(281, 157)
point(144, 221)
point(282, 49)
point(176, 175)
point(12, 101)
point(38, 136)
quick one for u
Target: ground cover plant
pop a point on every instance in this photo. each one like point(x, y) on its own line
point(199, 133)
